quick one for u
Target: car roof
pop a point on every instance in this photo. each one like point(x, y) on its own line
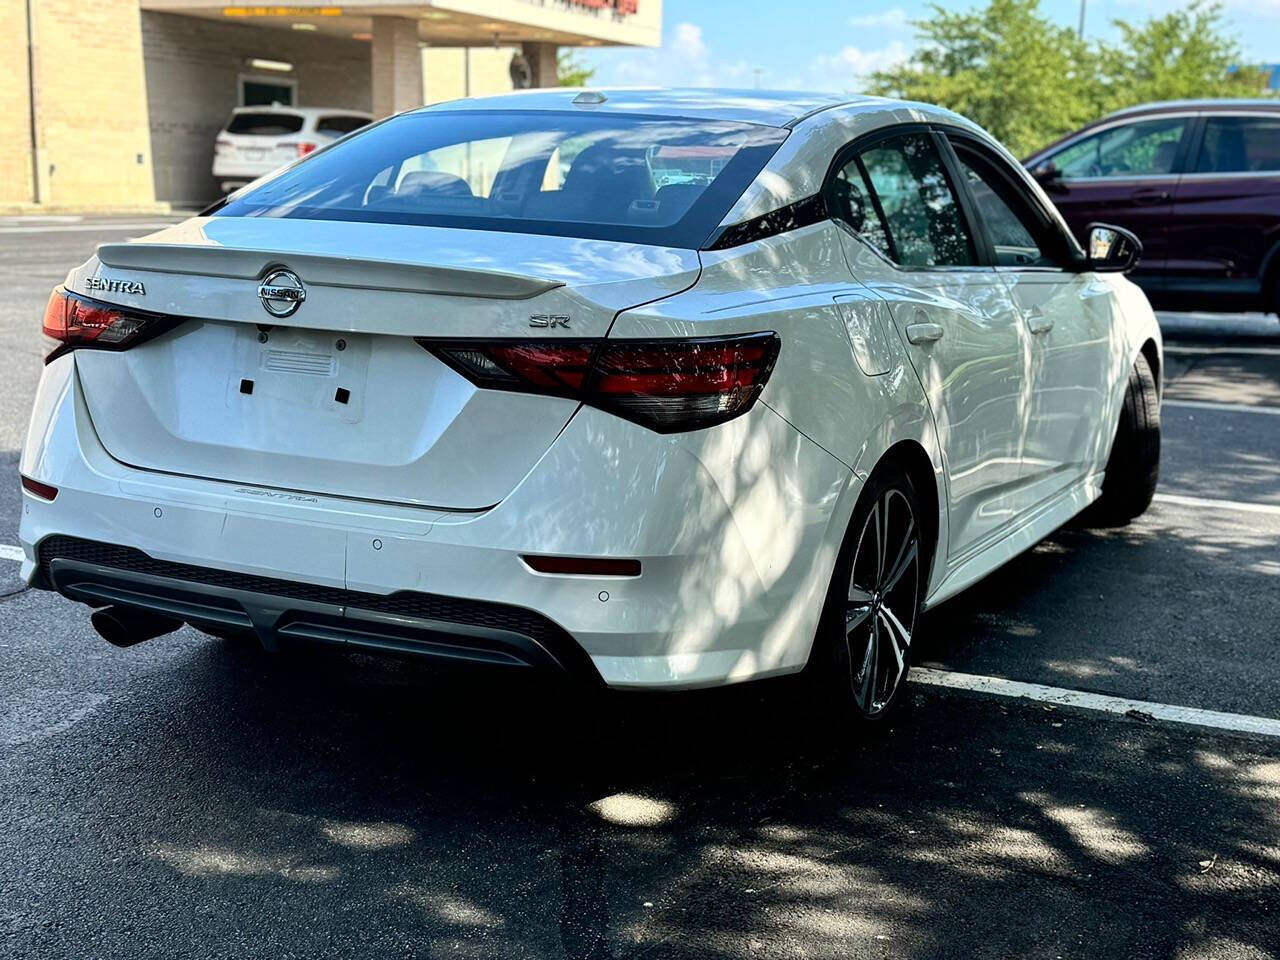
point(776, 108)
point(304, 111)
point(1209, 106)
point(1157, 109)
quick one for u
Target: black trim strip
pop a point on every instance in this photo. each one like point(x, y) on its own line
point(431, 625)
point(793, 216)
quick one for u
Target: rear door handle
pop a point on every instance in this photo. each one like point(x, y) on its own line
point(1149, 195)
point(924, 332)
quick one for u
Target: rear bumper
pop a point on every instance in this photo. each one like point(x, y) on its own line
point(280, 612)
point(736, 529)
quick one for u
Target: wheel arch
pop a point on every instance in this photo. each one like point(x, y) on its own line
point(912, 458)
point(1152, 353)
point(1269, 280)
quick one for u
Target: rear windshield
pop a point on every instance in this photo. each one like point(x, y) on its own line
point(640, 179)
point(339, 125)
point(264, 124)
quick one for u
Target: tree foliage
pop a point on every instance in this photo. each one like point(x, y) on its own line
point(571, 72)
point(1027, 80)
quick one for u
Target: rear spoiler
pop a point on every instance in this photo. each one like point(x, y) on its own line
point(326, 271)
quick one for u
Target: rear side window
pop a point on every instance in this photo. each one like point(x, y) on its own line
point(338, 126)
point(642, 179)
point(902, 202)
point(1240, 145)
point(264, 124)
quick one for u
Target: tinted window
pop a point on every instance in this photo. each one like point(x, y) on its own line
point(337, 126)
point(596, 175)
point(1240, 145)
point(1005, 216)
point(908, 187)
point(264, 124)
point(852, 202)
point(1147, 148)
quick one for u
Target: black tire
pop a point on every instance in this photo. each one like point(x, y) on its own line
point(887, 519)
point(1133, 469)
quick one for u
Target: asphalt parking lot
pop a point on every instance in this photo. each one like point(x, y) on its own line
point(190, 798)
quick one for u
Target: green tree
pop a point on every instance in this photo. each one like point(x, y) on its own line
point(570, 72)
point(1028, 80)
point(1006, 66)
point(1184, 54)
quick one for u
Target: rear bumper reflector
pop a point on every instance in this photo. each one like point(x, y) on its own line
point(41, 490)
point(582, 566)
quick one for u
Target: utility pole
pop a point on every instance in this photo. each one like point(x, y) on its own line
point(1081, 30)
point(33, 108)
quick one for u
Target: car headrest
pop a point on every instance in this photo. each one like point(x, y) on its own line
point(434, 181)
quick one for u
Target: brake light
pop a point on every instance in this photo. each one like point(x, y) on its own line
point(305, 148)
point(75, 321)
point(665, 385)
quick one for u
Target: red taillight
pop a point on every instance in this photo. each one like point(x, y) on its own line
point(76, 321)
point(666, 385)
point(41, 490)
point(305, 148)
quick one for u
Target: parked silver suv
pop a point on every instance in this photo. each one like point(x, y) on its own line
point(258, 140)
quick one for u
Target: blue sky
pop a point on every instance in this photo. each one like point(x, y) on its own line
point(831, 45)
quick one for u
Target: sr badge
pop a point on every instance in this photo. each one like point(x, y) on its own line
point(549, 320)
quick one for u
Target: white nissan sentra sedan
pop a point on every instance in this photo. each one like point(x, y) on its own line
point(655, 389)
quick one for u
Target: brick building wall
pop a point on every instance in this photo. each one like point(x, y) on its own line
point(193, 68)
point(93, 141)
point(15, 105)
point(444, 72)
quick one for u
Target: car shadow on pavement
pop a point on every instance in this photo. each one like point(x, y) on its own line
point(335, 805)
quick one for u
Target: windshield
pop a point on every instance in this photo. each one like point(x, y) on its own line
point(640, 179)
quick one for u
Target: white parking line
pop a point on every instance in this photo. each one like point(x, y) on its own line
point(9, 552)
point(90, 227)
point(1228, 407)
point(1196, 351)
point(1207, 504)
point(1059, 696)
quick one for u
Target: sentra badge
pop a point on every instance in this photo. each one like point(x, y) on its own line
point(108, 285)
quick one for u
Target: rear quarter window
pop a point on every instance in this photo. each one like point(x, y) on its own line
point(264, 124)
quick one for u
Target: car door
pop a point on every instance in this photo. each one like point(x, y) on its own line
point(1227, 210)
point(1125, 173)
point(909, 242)
point(1066, 313)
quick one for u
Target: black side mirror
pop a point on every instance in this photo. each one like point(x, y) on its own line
point(1046, 172)
point(1112, 249)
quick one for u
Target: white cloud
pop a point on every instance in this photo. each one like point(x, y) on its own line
point(894, 18)
point(850, 66)
point(686, 43)
point(683, 60)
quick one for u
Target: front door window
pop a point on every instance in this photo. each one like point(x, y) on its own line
point(1148, 148)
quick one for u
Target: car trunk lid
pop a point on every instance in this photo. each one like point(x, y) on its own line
point(338, 398)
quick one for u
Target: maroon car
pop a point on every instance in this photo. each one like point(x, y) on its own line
point(1197, 181)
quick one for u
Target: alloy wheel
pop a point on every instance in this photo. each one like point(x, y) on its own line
point(881, 608)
